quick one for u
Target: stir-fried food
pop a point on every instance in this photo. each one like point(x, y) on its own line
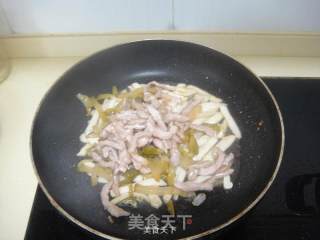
point(155, 143)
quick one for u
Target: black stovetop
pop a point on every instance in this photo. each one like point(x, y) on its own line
point(289, 210)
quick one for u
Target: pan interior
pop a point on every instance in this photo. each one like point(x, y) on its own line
point(61, 119)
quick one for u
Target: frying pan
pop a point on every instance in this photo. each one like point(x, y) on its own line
point(61, 118)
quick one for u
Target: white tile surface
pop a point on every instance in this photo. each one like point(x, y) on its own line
point(83, 16)
point(4, 25)
point(60, 16)
point(247, 15)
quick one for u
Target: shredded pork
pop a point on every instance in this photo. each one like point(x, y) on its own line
point(155, 124)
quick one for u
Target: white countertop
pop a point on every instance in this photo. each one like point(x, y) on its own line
point(20, 95)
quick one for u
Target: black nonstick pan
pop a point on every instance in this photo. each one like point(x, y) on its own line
point(61, 118)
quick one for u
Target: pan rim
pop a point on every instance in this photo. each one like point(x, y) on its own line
point(205, 233)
